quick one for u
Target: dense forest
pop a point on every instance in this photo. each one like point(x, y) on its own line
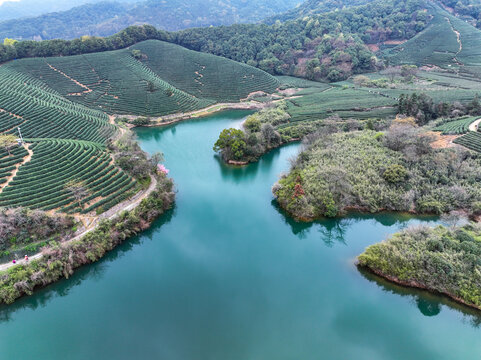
point(108, 17)
point(312, 7)
point(467, 8)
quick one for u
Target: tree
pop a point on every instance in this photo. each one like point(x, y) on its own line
point(392, 73)
point(137, 54)
point(270, 135)
point(253, 124)
point(453, 218)
point(7, 141)
point(156, 159)
point(9, 42)
point(408, 72)
point(231, 144)
point(151, 87)
point(395, 174)
point(361, 80)
point(78, 189)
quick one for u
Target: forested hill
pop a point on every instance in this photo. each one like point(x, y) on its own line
point(313, 7)
point(16, 9)
point(108, 17)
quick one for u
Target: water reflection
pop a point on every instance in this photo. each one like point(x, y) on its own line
point(429, 304)
point(248, 173)
point(93, 272)
point(333, 230)
point(237, 174)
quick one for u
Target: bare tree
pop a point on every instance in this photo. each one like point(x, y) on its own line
point(156, 159)
point(392, 73)
point(453, 218)
point(361, 80)
point(78, 189)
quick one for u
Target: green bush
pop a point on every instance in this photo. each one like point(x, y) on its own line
point(439, 259)
point(395, 174)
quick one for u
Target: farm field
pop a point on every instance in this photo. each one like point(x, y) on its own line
point(472, 141)
point(202, 75)
point(448, 42)
point(165, 79)
point(43, 113)
point(40, 183)
point(316, 104)
point(456, 127)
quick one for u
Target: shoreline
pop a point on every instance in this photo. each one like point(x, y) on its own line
point(247, 162)
point(87, 247)
point(415, 285)
point(349, 210)
point(197, 114)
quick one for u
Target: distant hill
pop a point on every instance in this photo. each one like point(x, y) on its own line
point(15, 9)
point(315, 7)
point(107, 18)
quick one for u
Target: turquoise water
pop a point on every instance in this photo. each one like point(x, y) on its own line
point(226, 275)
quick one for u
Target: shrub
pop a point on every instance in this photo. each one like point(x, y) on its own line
point(439, 259)
point(253, 124)
point(395, 174)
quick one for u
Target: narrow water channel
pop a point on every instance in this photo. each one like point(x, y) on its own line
point(225, 275)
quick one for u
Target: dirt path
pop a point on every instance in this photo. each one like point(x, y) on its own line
point(174, 118)
point(110, 214)
point(474, 126)
point(458, 39)
point(87, 89)
point(25, 160)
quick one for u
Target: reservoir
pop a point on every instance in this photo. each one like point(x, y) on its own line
point(226, 275)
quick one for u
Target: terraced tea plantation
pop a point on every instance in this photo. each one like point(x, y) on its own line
point(448, 42)
point(165, 79)
point(314, 104)
point(40, 183)
point(62, 107)
point(42, 112)
point(456, 127)
point(202, 75)
point(472, 141)
point(9, 162)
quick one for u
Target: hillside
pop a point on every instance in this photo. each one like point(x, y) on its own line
point(61, 105)
point(108, 17)
point(331, 46)
point(448, 42)
point(165, 79)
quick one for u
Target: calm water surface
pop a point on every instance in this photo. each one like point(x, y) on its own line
point(225, 275)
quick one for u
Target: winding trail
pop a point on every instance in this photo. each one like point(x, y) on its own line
point(474, 126)
point(127, 205)
point(458, 39)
